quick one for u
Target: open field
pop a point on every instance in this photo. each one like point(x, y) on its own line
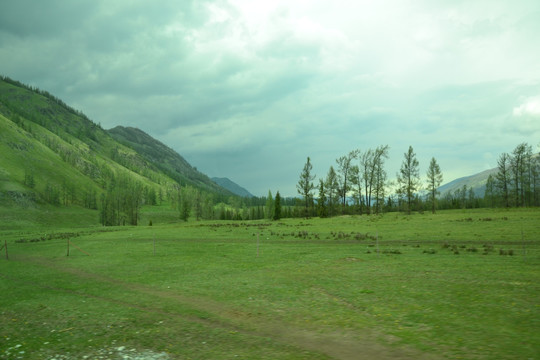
point(457, 284)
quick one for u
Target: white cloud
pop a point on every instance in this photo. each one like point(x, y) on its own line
point(530, 107)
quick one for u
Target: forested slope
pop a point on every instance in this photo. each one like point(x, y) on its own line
point(164, 158)
point(51, 153)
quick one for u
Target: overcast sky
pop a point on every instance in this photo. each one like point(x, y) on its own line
point(249, 89)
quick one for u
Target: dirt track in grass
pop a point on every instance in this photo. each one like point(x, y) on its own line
point(221, 316)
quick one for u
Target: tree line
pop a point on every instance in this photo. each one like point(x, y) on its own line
point(359, 184)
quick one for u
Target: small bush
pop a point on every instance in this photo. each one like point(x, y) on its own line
point(506, 252)
point(429, 251)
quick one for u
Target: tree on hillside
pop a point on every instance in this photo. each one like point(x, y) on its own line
point(409, 177)
point(184, 202)
point(277, 207)
point(434, 180)
point(29, 179)
point(305, 184)
point(121, 202)
point(344, 164)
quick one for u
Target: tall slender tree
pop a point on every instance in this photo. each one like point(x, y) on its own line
point(502, 178)
point(519, 165)
point(344, 164)
point(277, 207)
point(374, 176)
point(323, 210)
point(409, 177)
point(269, 208)
point(434, 180)
point(305, 184)
point(489, 194)
point(332, 190)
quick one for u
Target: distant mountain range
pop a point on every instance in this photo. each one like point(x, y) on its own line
point(477, 182)
point(232, 186)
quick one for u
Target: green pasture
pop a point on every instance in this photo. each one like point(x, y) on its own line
point(457, 284)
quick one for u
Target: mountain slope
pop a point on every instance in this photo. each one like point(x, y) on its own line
point(232, 186)
point(164, 158)
point(477, 182)
point(51, 153)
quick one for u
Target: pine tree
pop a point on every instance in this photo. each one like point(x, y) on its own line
point(434, 180)
point(409, 177)
point(305, 184)
point(502, 179)
point(277, 207)
point(269, 208)
point(332, 190)
point(323, 211)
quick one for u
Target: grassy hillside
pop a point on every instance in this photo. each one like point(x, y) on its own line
point(53, 154)
point(164, 158)
point(477, 182)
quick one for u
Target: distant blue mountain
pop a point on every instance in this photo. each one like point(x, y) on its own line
point(232, 186)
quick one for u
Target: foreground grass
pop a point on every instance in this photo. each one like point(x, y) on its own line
point(351, 287)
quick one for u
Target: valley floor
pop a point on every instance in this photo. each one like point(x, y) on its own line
point(457, 284)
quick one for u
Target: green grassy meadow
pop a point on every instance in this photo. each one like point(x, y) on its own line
point(457, 284)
